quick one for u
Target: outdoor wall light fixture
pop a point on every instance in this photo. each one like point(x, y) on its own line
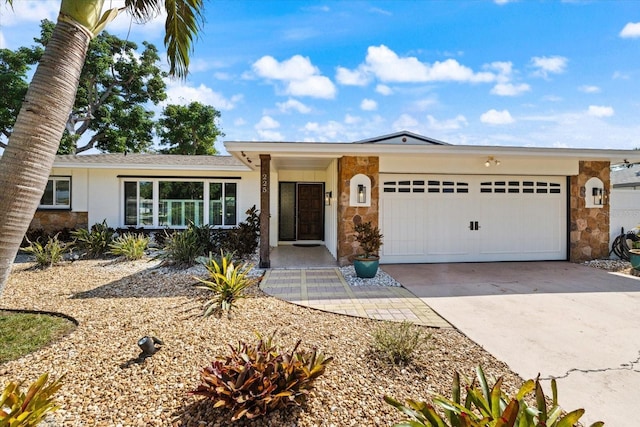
point(362, 194)
point(327, 198)
point(598, 196)
point(491, 161)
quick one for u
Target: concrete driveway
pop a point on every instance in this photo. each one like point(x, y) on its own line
point(575, 323)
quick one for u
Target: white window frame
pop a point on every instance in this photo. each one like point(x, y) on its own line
point(156, 199)
point(55, 180)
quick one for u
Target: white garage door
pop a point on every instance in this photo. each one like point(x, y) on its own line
point(462, 218)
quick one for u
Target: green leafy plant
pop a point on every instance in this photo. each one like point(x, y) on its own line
point(49, 254)
point(182, 248)
point(228, 283)
point(129, 245)
point(396, 341)
point(19, 409)
point(95, 242)
point(369, 238)
point(256, 379)
point(486, 406)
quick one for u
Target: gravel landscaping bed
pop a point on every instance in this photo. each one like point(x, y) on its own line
point(116, 303)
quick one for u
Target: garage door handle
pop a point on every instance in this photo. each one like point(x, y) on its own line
point(473, 226)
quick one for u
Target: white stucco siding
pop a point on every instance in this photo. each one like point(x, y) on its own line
point(79, 185)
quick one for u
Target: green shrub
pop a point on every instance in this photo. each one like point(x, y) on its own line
point(256, 379)
point(95, 242)
point(182, 248)
point(486, 406)
point(129, 245)
point(18, 409)
point(242, 240)
point(49, 254)
point(227, 283)
point(396, 342)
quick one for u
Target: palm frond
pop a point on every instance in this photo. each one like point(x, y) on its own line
point(184, 19)
point(183, 23)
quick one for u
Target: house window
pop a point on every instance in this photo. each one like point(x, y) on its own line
point(180, 203)
point(57, 194)
point(222, 203)
point(138, 203)
point(176, 204)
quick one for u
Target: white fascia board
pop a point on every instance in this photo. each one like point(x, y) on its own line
point(337, 150)
point(150, 167)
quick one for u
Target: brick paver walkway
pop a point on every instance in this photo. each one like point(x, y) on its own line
point(326, 289)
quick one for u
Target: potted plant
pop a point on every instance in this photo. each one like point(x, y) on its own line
point(370, 239)
point(634, 255)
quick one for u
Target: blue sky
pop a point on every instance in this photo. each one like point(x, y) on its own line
point(525, 73)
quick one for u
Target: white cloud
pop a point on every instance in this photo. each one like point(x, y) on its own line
point(504, 69)
point(293, 105)
point(589, 89)
point(405, 121)
point(183, 94)
point(300, 77)
point(368, 105)
point(494, 117)
point(450, 124)
point(266, 129)
point(351, 120)
point(510, 89)
point(329, 131)
point(239, 122)
point(384, 90)
point(387, 66)
point(29, 11)
point(347, 77)
point(546, 65)
point(502, 2)
point(630, 31)
point(267, 122)
point(600, 111)
point(619, 75)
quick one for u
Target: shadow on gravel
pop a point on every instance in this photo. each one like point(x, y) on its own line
point(202, 412)
point(151, 283)
point(157, 282)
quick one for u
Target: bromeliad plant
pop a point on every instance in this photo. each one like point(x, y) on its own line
point(19, 409)
point(130, 246)
point(486, 406)
point(256, 379)
point(228, 283)
point(49, 254)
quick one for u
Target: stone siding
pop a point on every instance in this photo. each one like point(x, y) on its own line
point(52, 221)
point(349, 166)
point(589, 232)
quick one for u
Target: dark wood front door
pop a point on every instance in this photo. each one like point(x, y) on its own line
point(310, 212)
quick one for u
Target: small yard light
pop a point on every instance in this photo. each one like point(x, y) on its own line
point(148, 346)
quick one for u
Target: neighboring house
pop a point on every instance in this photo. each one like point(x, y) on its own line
point(434, 202)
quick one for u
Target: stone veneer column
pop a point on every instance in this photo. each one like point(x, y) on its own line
point(589, 227)
point(349, 166)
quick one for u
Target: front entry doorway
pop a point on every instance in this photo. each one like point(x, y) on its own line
point(301, 211)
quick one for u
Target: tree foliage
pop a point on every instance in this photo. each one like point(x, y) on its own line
point(111, 106)
point(14, 67)
point(189, 129)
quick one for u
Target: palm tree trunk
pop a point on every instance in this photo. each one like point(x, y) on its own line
point(27, 161)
